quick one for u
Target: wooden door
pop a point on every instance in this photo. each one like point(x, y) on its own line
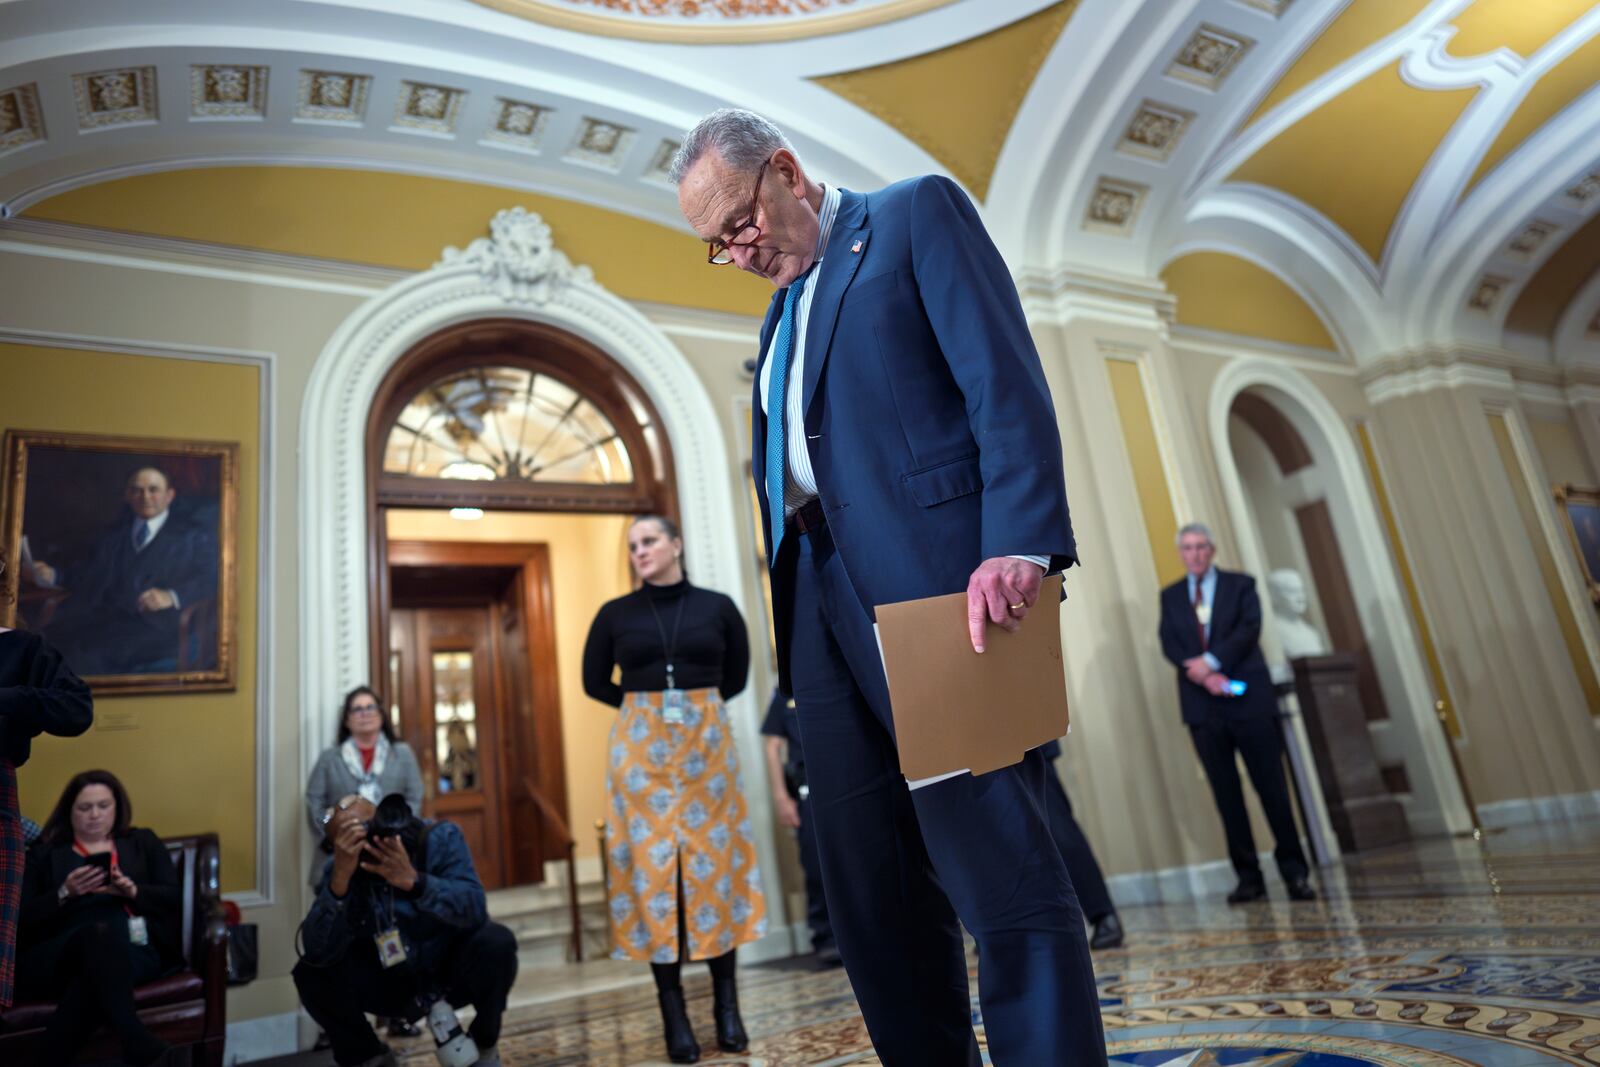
point(451, 716)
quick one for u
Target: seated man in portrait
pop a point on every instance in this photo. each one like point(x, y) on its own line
point(400, 925)
point(124, 600)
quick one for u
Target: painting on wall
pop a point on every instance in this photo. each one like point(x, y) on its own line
point(1581, 507)
point(121, 552)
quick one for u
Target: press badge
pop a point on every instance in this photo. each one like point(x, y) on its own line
point(391, 950)
point(138, 930)
point(672, 705)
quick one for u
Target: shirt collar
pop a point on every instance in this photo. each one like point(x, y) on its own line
point(825, 217)
point(154, 524)
point(1208, 576)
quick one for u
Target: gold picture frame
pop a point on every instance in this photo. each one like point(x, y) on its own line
point(1580, 510)
point(69, 507)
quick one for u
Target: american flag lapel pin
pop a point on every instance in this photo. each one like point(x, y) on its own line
point(856, 247)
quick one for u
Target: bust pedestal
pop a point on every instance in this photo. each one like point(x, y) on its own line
point(1363, 812)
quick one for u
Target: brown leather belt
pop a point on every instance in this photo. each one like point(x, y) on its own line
point(809, 518)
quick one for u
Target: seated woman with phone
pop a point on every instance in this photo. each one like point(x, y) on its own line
point(101, 907)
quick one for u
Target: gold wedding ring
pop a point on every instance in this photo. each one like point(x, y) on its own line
point(1014, 607)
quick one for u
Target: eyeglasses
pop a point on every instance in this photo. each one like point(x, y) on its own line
point(720, 253)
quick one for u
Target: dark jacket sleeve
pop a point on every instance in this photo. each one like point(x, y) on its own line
point(450, 890)
point(736, 661)
point(326, 930)
point(39, 904)
point(599, 660)
point(53, 700)
point(1170, 646)
point(1232, 647)
point(196, 580)
point(160, 895)
point(972, 304)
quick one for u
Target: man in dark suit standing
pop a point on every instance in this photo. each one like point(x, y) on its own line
point(121, 616)
point(905, 446)
point(1211, 631)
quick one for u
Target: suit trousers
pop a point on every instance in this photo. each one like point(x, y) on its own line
point(1084, 869)
point(899, 867)
point(1258, 740)
point(811, 864)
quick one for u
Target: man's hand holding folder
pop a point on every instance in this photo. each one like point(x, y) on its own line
point(955, 710)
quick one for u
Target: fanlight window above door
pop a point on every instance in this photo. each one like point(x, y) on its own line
point(505, 424)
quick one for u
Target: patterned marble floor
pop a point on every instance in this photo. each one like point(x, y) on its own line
point(1447, 953)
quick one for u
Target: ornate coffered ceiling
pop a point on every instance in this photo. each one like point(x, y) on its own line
point(1404, 172)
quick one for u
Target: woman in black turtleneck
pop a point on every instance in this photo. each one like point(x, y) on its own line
point(683, 877)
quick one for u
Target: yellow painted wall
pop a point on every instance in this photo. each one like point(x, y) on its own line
point(403, 221)
point(1561, 452)
point(1217, 291)
point(588, 566)
point(188, 760)
point(1149, 473)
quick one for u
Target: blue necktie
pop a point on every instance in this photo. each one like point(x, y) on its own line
point(778, 413)
point(141, 534)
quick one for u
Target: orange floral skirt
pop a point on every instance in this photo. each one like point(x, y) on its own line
point(676, 807)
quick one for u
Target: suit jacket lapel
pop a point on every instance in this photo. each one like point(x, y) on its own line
point(839, 263)
point(1222, 606)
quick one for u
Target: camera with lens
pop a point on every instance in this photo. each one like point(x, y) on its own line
point(392, 819)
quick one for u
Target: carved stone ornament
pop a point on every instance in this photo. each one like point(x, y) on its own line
point(519, 259)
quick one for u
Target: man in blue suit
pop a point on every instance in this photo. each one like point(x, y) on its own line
point(1211, 631)
point(122, 614)
point(905, 446)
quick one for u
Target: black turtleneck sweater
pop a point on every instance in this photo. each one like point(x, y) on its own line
point(712, 650)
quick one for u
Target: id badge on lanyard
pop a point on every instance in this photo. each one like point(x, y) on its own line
point(138, 930)
point(672, 702)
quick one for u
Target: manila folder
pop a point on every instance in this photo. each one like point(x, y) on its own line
point(956, 710)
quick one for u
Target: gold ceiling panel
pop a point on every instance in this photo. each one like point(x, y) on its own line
point(399, 220)
point(1363, 23)
point(1524, 26)
point(1356, 157)
point(958, 103)
point(1541, 303)
point(1568, 80)
point(1217, 291)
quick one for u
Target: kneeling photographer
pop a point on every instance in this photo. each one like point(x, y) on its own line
point(400, 928)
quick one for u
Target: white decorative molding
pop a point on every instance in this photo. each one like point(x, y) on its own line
point(1154, 131)
point(1114, 207)
point(114, 98)
point(519, 259)
point(332, 98)
point(1436, 792)
point(602, 144)
point(20, 121)
point(1400, 383)
point(463, 287)
point(1209, 56)
point(227, 93)
point(660, 168)
point(424, 108)
point(517, 124)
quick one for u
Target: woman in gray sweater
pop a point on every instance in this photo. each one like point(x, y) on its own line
point(368, 759)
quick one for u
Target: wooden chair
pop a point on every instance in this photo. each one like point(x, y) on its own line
point(186, 1009)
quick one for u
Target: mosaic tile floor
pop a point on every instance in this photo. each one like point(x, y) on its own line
point(1446, 953)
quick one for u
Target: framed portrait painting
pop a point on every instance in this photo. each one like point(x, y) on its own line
point(121, 552)
point(1581, 509)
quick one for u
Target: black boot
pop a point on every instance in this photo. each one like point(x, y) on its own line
point(725, 1010)
point(681, 1045)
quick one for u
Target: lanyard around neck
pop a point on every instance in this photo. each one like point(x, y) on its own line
point(669, 647)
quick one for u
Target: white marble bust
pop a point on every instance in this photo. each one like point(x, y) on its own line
point(1296, 636)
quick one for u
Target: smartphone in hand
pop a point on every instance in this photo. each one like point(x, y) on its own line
point(101, 860)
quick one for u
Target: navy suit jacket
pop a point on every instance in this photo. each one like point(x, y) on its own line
point(927, 417)
point(1235, 641)
point(181, 557)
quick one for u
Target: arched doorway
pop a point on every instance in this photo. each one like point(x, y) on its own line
point(1298, 500)
point(519, 421)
